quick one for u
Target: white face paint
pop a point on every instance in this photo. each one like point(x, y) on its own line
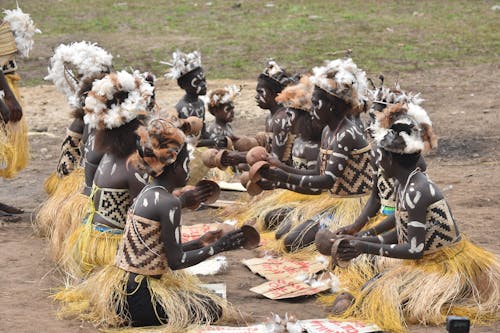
point(185, 166)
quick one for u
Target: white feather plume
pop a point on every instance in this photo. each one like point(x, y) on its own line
point(23, 28)
point(75, 62)
point(182, 63)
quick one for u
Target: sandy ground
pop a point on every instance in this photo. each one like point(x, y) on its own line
point(462, 102)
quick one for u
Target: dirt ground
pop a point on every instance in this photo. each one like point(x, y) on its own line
point(462, 102)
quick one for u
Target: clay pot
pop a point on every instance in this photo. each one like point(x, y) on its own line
point(193, 125)
point(256, 154)
point(255, 170)
point(322, 241)
point(214, 189)
point(252, 237)
point(244, 178)
point(209, 157)
point(253, 189)
point(245, 143)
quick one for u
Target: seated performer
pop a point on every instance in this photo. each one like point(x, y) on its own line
point(147, 285)
point(113, 108)
point(221, 106)
point(343, 168)
point(73, 68)
point(442, 273)
point(269, 84)
point(16, 39)
point(381, 203)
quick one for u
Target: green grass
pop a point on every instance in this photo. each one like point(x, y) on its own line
point(235, 40)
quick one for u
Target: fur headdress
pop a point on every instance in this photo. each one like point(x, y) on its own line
point(182, 63)
point(404, 129)
point(161, 141)
point(117, 99)
point(342, 78)
point(276, 76)
point(23, 28)
point(71, 64)
point(223, 96)
point(298, 96)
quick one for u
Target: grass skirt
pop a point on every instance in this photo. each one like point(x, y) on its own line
point(97, 298)
point(59, 208)
point(462, 280)
point(87, 248)
point(50, 184)
point(14, 147)
point(69, 218)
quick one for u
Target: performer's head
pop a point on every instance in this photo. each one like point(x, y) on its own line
point(115, 106)
point(162, 150)
point(187, 70)
point(340, 89)
point(402, 132)
point(270, 83)
point(221, 103)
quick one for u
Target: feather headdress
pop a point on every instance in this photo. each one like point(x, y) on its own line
point(277, 76)
point(298, 96)
point(71, 64)
point(182, 63)
point(385, 95)
point(342, 78)
point(23, 28)
point(223, 95)
point(117, 99)
point(404, 129)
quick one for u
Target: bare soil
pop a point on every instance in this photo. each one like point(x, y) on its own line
point(462, 102)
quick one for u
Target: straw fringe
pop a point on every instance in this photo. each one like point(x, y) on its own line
point(51, 183)
point(462, 279)
point(57, 208)
point(98, 298)
point(16, 152)
point(86, 249)
point(70, 217)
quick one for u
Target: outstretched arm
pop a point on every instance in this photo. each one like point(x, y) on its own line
point(178, 257)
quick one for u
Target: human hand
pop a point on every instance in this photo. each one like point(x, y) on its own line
point(346, 230)
point(211, 236)
point(230, 241)
point(194, 196)
point(266, 184)
point(273, 160)
point(15, 110)
point(348, 250)
point(220, 142)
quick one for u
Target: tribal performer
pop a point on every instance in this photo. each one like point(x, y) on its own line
point(147, 286)
point(441, 271)
point(344, 167)
point(73, 70)
point(115, 107)
point(16, 38)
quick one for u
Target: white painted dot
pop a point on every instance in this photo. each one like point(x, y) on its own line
point(145, 202)
point(341, 167)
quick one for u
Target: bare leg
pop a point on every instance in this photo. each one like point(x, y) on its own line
point(301, 236)
point(8, 210)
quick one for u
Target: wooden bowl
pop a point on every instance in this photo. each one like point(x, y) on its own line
point(244, 178)
point(209, 158)
point(334, 250)
point(218, 159)
point(245, 143)
point(253, 189)
point(256, 169)
point(252, 237)
point(215, 190)
point(193, 124)
point(256, 154)
point(322, 241)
